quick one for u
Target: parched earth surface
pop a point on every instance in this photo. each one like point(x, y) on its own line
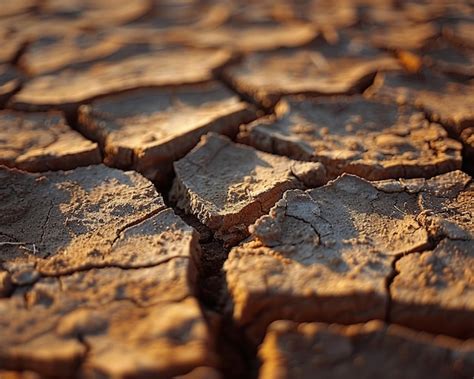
point(236, 189)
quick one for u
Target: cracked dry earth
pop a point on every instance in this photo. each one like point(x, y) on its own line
point(236, 189)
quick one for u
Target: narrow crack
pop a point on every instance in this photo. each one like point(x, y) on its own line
point(90, 267)
point(72, 119)
point(81, 338)
point(111, 265)
point(136, 222)
point(45, 225)
point(432, 245)
point(220, 76)
point(466, 167)
point(18, 55)
point(388, 283)
point(306, 222)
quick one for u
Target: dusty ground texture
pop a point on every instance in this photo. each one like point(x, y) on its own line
point(236, 189)
point(102, 252)
point(42, 142)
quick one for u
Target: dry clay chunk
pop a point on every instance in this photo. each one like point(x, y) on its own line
point(404, 36)
point(148, 129)
point(446, 102)
point(434, 290)
point(446, 203)
point(249, 37)
point(72, 87)
point(329, 71)
point(89, 217)
point(368, 138)
point(228, 186)
point(371, 350)
point(52, 53)
point(326, 254)
point(42, 142)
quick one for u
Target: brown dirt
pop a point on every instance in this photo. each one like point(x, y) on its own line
point(184, 189)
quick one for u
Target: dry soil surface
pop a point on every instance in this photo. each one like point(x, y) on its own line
point(243, 189)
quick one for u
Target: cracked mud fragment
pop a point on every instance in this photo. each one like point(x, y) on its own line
point(433, 290)
point(405, 36)
point(28, 28)
point(444, 277)
point(249, 37)
point(88, 217)
point(52, 53)
point(316, 350)
point(319, 69)
point(447, 202)
point(72, 87)
point(228, 186)
point(95, 250)
point(372, 139)
point(42, 142)
point(326, 254)
point(147, 129)
point(444, 101)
